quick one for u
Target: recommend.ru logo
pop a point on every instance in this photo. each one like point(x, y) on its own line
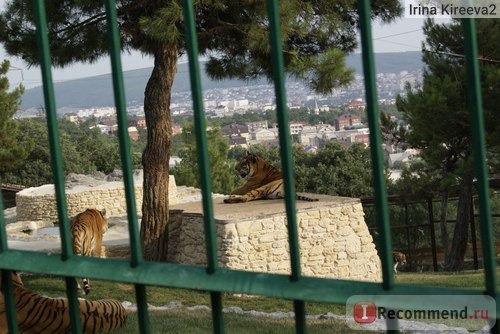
point(418, 312)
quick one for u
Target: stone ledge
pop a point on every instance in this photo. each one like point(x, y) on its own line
point(238, 212)
point(39, 203)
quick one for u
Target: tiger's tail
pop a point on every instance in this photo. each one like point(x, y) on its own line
point(305, 198)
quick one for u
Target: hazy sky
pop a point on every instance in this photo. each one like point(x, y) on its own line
point(403, 35)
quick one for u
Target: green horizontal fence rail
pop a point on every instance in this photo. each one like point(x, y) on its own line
point(214, 279)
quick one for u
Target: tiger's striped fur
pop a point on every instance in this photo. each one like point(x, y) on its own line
point(264, 181)
point(39, 314)
point(87, 229)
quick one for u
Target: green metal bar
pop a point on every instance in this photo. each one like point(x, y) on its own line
point(217, 318)
point(286, 156)
point(201, 139)
point(7, 290)
point(142, 309)
point(121, 110)
point(202, 151)
point(3, 232)
point(6, 286)
point(223, 280)
point(126, 160)
point(55, 154)
point(50, 109)
point(475, 105)
point(72, 293)
point(284, 135)
point(382, 212)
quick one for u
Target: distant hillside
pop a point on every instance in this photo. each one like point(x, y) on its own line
point(97, 90)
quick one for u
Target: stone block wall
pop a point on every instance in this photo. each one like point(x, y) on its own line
point(39, 203)
point(333, 237)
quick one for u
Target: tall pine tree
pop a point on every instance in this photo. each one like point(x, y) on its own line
point(439, 125)
point(11, 152)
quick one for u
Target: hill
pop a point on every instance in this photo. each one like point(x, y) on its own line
point(97, 90)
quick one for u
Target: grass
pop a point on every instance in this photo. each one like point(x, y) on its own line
point(182, 320)
point(187, 322)
point(473, 279)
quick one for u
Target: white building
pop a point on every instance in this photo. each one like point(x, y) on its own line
point(264, 134)
point(403, 157)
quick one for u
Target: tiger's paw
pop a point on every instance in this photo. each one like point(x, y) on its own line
point(233, 199)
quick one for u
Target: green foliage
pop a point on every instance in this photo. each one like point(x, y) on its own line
point(335, 170)
point(222, 173)
point(84, 151)
point(98, 149)
point(11, 151)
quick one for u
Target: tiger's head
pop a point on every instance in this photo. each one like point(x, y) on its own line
point(104, 220)
point(247, 166)
point(399, 257)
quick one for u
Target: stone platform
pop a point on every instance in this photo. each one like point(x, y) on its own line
point(38, 204)
point(333, 236)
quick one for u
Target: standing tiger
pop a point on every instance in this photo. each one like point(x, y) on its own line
point(399, 259)
point(39, 314)
point(87, 229)
point(264, 181)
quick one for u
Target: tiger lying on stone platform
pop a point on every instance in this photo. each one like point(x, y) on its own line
point(87, 229)
point(39, 314)
point(264, 181)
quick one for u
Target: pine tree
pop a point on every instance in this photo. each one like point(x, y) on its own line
point(233, 34)
point(439, 124)
point(11, 152)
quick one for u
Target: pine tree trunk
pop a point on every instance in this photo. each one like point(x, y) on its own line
point(456, 256)
point(155, 159)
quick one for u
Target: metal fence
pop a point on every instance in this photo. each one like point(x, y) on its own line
point(415, 230)
point(295, 287)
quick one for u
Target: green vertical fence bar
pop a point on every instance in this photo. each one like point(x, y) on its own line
point(286, 154)
point(202, 151)
point(7, 286)
point(8, 295)
point(381, 206)
point(56, 159)
point(126, 160)
point(475, 106)
point(3, 232)
point(123, 136)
